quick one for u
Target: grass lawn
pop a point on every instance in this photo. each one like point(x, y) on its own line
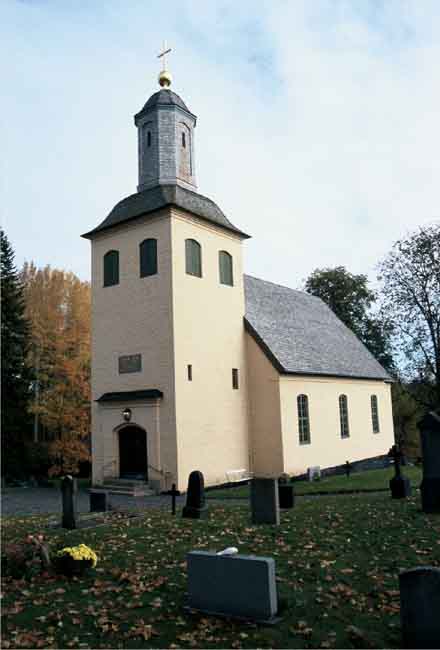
point(337, 562)
point(375, 479)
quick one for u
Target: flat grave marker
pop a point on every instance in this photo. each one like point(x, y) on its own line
point(237, 586)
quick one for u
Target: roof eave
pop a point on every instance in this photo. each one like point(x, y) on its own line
point(96, 231)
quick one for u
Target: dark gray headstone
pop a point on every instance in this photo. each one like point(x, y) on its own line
point(265, 501)
point(69, 495)
point(240, 586)
point(420, 607)
point(195, 507)
point(98, 501)
point(430, 438)
point(286, 496)
point(400, 487)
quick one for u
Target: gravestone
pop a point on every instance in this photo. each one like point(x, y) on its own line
point(265, 501)
point(400, 485)
point(420, 607)
point(286, 495)
point(69, 494)
point(241, 586)
point(98, 500)
point(430, 438)
point(195, 507)
point(314, 473)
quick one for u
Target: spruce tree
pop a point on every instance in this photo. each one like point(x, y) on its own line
point(15, 375)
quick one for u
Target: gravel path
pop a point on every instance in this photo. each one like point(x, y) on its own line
point(39, 501)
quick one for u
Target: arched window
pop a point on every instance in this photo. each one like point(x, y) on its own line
point(149, 139)
point(183, 139)
point(343, 416)
point(111, 268)
point(303, 419)
point(148, 257)
point(225, 268)
point(193, 256)
point(375, 414)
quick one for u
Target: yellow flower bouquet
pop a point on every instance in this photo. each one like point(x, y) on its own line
point(75, 560)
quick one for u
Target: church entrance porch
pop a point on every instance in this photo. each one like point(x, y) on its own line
point(133, 461)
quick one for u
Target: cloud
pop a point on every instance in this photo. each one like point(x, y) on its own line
point(317, 122)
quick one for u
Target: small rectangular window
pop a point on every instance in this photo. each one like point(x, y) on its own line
point(235, 378)
point(190, 372)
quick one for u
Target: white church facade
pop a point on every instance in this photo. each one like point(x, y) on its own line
point(196, 366)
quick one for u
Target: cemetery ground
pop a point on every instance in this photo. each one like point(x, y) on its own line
point(337, 565)
point(371, 480)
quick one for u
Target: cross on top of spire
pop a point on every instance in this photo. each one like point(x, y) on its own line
point(164, 75)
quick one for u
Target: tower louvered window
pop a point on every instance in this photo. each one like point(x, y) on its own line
point(343, 416)
point(148, 257)
point(193, 257)
point(303, 419)
point(375, 414)
point(225, 268)
point(111, 268)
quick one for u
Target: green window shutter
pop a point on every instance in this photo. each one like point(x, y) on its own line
point(148, 257)
point(193, 257)
point(225, 268)
point(111, 268)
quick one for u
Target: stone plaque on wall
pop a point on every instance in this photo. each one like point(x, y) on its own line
point(130, 363)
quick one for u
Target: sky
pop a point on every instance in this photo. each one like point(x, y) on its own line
point(317, 133)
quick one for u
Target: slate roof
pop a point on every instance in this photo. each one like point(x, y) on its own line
point(160, 196)
point(301, 335)
point(163, 97)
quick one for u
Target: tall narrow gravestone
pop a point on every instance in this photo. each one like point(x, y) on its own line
point(430, 437)
point(400, 485)
point(69, 494)
point(420, 607)
point(195, 507)
point(265, 503)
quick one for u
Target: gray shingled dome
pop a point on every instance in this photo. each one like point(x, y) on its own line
point(301, 335)
point(151, 200)
point(163, 97)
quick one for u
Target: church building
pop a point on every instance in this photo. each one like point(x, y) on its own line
point(197, 366)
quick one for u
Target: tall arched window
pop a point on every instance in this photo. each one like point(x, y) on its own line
point(375, 414)
point(303, 419)
point(343, 416)
point(148, 257)
point(183, 139)
point(111, 268)
point(193, 257)
point(149, 139)
point(225, 268)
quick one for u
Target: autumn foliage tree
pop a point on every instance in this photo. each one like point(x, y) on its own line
point(58, 310)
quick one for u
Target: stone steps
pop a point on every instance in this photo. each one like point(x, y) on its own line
point(127, 487)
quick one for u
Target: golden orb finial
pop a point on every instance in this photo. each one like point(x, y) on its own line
point(165, 79)
point(164, 76)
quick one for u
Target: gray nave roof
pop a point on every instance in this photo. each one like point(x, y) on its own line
point(301, 335)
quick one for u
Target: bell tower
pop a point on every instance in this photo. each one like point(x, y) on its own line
point(165, 138)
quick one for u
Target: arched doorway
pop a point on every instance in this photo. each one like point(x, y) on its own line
point(133, 462)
